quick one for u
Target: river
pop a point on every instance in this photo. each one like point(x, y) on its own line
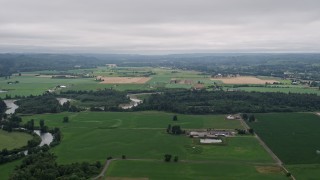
point(46, 138)
point(11, 106)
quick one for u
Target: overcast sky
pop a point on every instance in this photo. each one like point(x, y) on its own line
point(159, 26)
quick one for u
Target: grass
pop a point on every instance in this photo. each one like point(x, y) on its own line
point(291, 136)
point(91, 136)
point(154, 170)
point(13, 140)
point(30, 84)
point(305, 171)
point(7, 169)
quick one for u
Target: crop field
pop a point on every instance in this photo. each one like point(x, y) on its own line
point(157, 170)
point(244, 80)
point(295, 131)
point(13, 140)
point(293, 138)
point(283, 89)
point(92, 136)
point(123, 80)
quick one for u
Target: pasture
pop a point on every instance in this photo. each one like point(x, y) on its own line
point(13, 139)
point(157, 170)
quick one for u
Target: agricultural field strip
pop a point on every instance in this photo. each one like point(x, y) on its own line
point(272, 154)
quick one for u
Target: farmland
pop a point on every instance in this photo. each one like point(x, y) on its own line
point(293, 138)
point(92, 136)
point(187, 170)
point(141, 136)
point(244, 80)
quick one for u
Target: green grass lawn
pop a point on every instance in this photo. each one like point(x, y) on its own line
point(157, 170)
point(13, 139)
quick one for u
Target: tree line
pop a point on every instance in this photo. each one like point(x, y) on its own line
point(221, 102)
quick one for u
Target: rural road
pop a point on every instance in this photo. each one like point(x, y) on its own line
point(104, 170)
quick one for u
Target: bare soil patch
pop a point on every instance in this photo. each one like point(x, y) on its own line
point(244, 80)
point(124, 80)
point(268, 169)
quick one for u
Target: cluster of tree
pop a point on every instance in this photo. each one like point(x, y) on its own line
point(250, 118)
point(168, 157)
point(10, 123)
point(17, 153)
point(13, 123)
point(206, 102)
point(43, 165)
point(3, 108)
point(106, 99)
point(176, 130)
point(243, 131)
point(57, 137)
point(15, 63)
point(46, 103)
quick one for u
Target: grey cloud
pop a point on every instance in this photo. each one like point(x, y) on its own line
point(154, 26)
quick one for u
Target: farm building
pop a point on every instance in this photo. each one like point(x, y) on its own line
point(211, 133)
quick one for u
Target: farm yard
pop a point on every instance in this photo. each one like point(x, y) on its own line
point(293, 138)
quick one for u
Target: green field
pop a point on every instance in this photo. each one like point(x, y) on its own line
point(293, 137)
point(13, 139)
point(297, 132)
point(156, 170)
point(8, 168)
point(31, 84)
point(35, 85)
point(93, 136)
point(283, 89)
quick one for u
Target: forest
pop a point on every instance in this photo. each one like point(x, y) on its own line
point(222, 102)
point(107, 98)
